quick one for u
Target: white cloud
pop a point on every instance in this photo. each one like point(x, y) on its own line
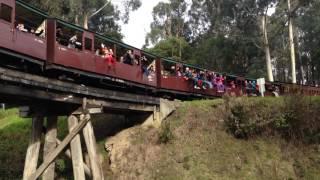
point(139, 24)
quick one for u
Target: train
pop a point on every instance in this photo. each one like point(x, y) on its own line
point(32, 41)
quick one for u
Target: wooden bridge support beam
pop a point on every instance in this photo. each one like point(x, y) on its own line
point(76, 150)
point(49, 145)
point(53, 155)
point(33, 150)
point(78, 121)
point(90, 141)
point(85, 166)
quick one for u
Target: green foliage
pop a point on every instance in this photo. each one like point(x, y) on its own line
point(172, 48)
point(168, 21)
point(14, 139)
point(105, 21)
point(165, 134)
point(248, 118)
point(227, 35)
point(12, 144)
point(294, 118)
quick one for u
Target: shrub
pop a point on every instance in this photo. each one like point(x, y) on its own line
point(249, 117)
point(294, 118)
point(165, 134)
point(302, 117)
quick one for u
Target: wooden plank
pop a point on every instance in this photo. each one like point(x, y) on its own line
point(85, 166)
point(76, 151)
point(53, 155)
point(97, 110)
point(32, 156)
point(24, 92)
point(90, 141)
point(67, 87)
point(49, 145)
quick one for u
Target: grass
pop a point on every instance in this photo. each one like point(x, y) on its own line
point(14, 133)
point(14, 139)
point(201, 148)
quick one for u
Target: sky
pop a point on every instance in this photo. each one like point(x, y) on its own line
point(139, 24)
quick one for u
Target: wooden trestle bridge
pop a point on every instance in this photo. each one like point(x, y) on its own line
point(45, 99)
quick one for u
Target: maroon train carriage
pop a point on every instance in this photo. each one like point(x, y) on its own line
point(86, 57)
point(69, 48)
point(12, 16)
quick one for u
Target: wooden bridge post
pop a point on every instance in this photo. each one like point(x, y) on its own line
point(32, 156)
point(49, 145)
point(90, 141)
point(76, 151)
point(53, 147)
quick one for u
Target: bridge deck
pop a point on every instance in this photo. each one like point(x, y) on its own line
point(20, 88)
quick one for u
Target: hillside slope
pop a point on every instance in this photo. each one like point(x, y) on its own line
point(194, 143)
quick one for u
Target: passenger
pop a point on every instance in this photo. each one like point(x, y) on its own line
point(152, 72)
point(144, 65)
point(187, 74)
point(195, 79)
point(253, 88)
point(220, 86)
point(59, 35)
point(72, 41)
point(178, 72)
point(224, 80)
point(128, 58)
point(103, 51)
point(97, 52)
point(32, 31)
point(172, 70)
point(214, 80)
point(151, 69)
point(136, 60)
point(210, 76)
point(249, 87)
point(40, 33)
point(191, 75)
point(20, 27)
point(121, 60)
point(109, 58)
point(201, 80)
point(206, 82)
point(232, 85)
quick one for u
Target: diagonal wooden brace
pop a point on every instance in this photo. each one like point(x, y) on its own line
point(68, 154)
point(53, 155)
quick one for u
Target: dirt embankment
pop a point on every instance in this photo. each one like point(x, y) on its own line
point(196, 143)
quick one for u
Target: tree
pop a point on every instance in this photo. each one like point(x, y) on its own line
point(292, 49)
point(307, 28)
point(168, 21)
point(176, 48)
point(234, 29)
point(104, 21)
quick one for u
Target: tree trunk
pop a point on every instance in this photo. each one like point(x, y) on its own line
point(301, 67)
point(85, 20)
point(76, 20)
point(292, 50)
point(266, 47)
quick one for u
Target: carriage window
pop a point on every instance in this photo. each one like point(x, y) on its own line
point(5, 12)
point(88, 44)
